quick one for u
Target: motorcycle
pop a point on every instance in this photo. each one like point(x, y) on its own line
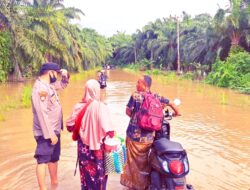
point(168, 160)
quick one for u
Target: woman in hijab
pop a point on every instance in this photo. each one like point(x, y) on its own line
point(95, 125)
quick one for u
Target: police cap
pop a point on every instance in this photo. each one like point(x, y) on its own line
point(50, 66)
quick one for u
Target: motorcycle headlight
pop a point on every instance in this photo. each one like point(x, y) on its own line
point(165, 166)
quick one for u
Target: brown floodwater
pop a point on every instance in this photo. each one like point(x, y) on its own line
point(214, 130)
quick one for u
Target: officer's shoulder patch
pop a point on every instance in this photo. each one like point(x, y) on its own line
point(43, 95)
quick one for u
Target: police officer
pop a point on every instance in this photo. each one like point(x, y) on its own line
point(47, 120)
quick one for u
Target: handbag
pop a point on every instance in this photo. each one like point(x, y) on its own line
point(114, 161)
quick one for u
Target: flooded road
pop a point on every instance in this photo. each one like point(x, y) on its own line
point(214, 129)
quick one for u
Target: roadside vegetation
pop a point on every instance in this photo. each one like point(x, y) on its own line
point(34, 32)
point(215, 48)
point(18, 101)
point(23, 99)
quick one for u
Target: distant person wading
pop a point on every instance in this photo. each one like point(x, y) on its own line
point(102, 79)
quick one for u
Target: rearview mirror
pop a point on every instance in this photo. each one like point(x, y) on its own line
point(177, 102)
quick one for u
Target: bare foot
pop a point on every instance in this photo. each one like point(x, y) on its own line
point(54, 185)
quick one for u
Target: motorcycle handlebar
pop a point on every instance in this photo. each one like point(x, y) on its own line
point(168, 115)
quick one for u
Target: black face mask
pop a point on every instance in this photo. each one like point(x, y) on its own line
point(52, 78)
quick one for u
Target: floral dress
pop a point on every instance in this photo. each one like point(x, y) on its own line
point(134, 132)
point(91, 165)
point(138, 144)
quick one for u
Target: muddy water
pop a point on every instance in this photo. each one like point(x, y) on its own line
point(214, 129)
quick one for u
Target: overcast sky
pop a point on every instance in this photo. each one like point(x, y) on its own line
point(109, 16)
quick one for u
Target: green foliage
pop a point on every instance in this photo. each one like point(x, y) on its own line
point(16, 101)
point(189, 76)
point(120, 39)
point(171, 76)
point(224, 99)
point(5, 63)
point(233, 73)
point(135, 67)
point(202, 39)
point(83, 75)
point(236, 49)
point(241, 60)
point(156, 72)
point(95, 48)
point(145, 64)
point(26, 95)
point(165, 75)
point(42, 31)
point(8, 103)
point(2, 118)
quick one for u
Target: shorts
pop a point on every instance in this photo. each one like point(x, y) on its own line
point(45, 151)
point(103, 86)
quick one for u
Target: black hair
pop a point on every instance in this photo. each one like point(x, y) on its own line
point(148, 80)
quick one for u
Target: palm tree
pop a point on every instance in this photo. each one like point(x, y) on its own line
point(11, 19)
point(39, 30)
point(233, 26)
point(124, 48)
point(49, 22)
point(93, 49)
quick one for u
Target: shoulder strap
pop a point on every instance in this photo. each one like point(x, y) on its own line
point(79, 121)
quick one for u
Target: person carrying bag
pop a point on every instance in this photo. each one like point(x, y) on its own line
point(92, 124)
point(74, 129)
point(115, 155)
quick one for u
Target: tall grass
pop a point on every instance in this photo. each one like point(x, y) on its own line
point(23, 100)
point(84, 75)
point(164, 76)
point(8, 103)
point(2, 118)
point(224, 99)
point(15, 102)
point(26, 97)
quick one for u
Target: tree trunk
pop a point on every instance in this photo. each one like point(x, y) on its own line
point(169, 65)
point(85, 65)
point(17, 75)
point(151, 56)
point(135, 54)
point(235, 39)
point(178, 47)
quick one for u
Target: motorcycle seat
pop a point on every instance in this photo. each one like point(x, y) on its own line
point(164, 145)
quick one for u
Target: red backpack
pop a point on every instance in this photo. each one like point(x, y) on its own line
point(150, 115)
